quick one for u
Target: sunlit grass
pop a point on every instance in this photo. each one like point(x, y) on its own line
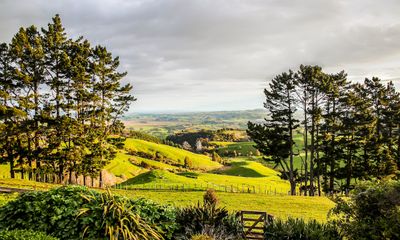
point(281, 206)
point(175, 154)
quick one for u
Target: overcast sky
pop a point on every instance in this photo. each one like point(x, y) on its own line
point(192, 55)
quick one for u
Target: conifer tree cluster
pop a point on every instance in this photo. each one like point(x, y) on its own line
point(60, 99)
point(350, 131)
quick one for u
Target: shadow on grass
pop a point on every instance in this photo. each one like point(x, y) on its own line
point(240, 169)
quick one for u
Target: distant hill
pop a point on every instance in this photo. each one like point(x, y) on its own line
point(164, 124)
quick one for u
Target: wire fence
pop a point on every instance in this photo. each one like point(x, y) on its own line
point(227, 188)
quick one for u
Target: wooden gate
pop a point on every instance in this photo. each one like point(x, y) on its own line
point(254, 223)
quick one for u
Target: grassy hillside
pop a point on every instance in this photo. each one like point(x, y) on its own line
point(245, 168)
point(242, 175)
point(241, 148)
point(122, 167)
point(175, 154)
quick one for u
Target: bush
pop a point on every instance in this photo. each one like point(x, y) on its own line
point(162, 217)
point(210, 197)
point(53, 212)
point(298, 229)
point(208, 219)
point(187, 162)
point(372, 212)
point(56, 211)
point(112, 217)
point(24, 235)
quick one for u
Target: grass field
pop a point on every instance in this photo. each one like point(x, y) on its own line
point(279, 206)
point(122, 167)
point(241, 148)
point(241, 176)
point(175, 154)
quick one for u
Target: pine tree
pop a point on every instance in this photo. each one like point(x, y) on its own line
point(275, 137)
point(310, 83)
point(27, 47)
point(112, 101)
point(335, 89)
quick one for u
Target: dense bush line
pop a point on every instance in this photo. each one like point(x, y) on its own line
point(372, 212)
point(73, 212)
point(298, 229)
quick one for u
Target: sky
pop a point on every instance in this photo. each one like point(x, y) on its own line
point(209, 55)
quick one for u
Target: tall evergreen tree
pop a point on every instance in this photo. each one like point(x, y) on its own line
point(275, 138)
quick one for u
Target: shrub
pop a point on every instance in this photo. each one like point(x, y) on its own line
point(144, 164)
point(298, 229)
point(24, 235)
point(210, 197)
point(216, 157)
point(132, 151)
point(143, 136)
point(372, 212)
point(112, 217)
point(208, 219)
point(162, 217)
point(187, 162)
point(53, 212)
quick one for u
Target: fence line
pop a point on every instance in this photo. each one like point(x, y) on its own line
point(228, 188)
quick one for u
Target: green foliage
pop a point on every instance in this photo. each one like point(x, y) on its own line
point(143, 136)
point(187, 163)
point(53, 212)
point(298, 229)
point(372, 212)
point(60, 101)
point(226, 135)
point(70, 212)
point(24, 235)
point(208, 219)
point(349, 130)
point(216, 157)
point(161, 217)
point(112, 217)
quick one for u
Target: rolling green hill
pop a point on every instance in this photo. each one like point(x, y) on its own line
point(122, 167)
point(241, 176)
point(241, 148)
point(177, 155)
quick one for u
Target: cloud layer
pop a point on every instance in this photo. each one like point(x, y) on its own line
point(218, 55)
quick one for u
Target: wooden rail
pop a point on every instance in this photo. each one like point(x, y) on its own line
point(254, 223)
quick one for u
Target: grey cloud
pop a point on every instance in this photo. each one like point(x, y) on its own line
point(215, 54)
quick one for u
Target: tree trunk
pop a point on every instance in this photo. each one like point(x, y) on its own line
point(333, 150)
point(318, 165)
point(12, 173)
point(312, 151)
point(305, 144)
